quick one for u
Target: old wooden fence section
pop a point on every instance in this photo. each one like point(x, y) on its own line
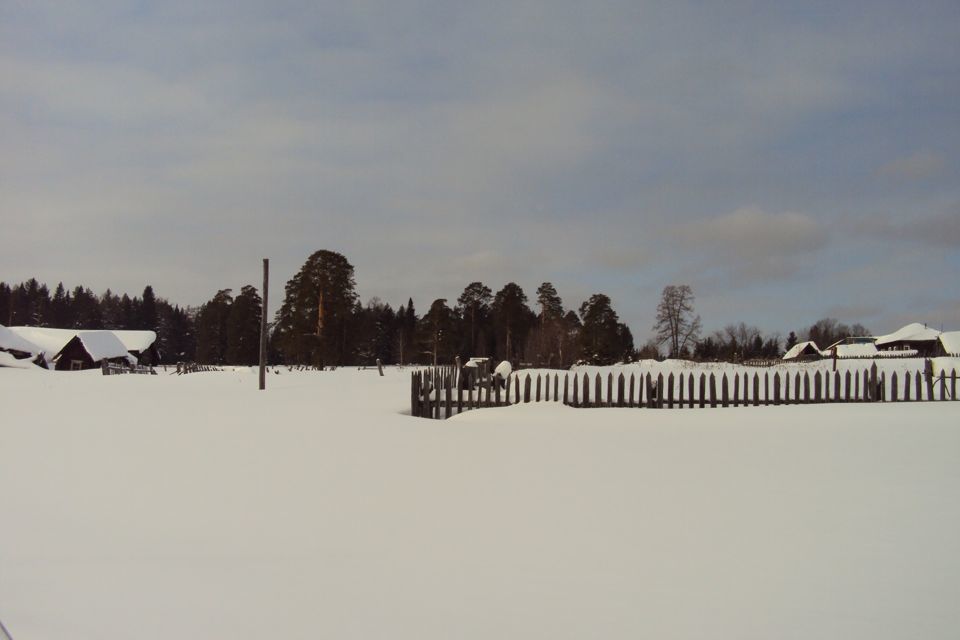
point(435, 393)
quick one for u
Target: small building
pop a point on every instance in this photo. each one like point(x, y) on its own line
point(914, 337)
point(803, 351)
point(948, 344)
point(852, 347)
point(90, 349)
point(141, 345)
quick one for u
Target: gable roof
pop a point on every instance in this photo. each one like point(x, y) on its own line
point(136, 340)
point(50, 341)
point(799, 348)
point(950, 341)
point(10, 341)
point(102, 345)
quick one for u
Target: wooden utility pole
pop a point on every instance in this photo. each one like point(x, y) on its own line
point(263, 326)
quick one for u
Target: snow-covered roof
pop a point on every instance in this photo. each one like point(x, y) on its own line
point(864, 350)
point(103, 345)
point(798, 348)
point(914, 332)
point(49, 340)
point(10, 341)
point(950, 341)
point(136, 340)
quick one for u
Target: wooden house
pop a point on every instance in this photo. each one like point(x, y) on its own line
point(915, 339)
point(89, 349)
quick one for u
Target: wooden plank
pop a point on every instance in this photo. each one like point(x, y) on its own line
point(928, 377)
point(565, 397)
point(817, 388)
point(703, 390)
point(670, 390)
point(906, 387)
point(516, 388)
point(621, 382)
point(598, 391)
point(496, 393)
point(436, 395)
point(756, 390)
point(609, 402)
point(766, 387)
point(919, 386)
point(836, 386)
point(680, 391)
point(736, 389)
point(526, 389)
point(448, 392)
point(943, 386)
point(713, 391)
point(586, 390)
point(538, 387)
point(660, 391)
point(846, 391)
point(690, 384)
point(632, 383)
point(576, 391)
point(874, 396)
point(797, 389)
point(893, 387)
point(953, 384)
point(556, 387)
point(776, 388)
point(724, 392)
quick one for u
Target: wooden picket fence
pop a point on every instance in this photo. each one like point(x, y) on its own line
point(435, 393)
point(113, 369)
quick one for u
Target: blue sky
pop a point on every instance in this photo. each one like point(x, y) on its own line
point(787, 160)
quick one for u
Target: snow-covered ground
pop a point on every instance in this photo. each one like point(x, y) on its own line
point(197, 507)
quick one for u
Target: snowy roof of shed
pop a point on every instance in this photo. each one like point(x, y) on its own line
point(855, 350)
point(102, 345)
point(914, 332)
point(13, 342)
point(50, 341)
point(798, 348)
point(136, 340)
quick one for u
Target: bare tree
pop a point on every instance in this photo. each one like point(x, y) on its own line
point(676, 324)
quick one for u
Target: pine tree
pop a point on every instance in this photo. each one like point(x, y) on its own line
point(512, 320)
point(211, 328)
point(313, 322)
point(473, 306)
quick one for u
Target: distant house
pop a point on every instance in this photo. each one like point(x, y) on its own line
point(90, 349)
point(948, 344)
point(914, 337)
point(803, 351)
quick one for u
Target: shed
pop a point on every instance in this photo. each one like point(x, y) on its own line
point(89, 349)
point(803, 351)
point(140, 344)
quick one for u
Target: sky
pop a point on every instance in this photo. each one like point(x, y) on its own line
point(788, 160)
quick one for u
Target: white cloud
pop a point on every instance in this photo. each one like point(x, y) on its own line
point(918, 166)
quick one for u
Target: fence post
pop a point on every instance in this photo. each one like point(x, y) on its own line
point(609, 389)
point(620, 389)
point(690, 384)
point(586, 390)
point(632, 382)
point(953, 384)
point(546, 387)
point(576, 390)
point(516, 387)
point(776, 388)
point(526, 389)
point(817, 383)
point(756, 389)
point(598, 391)
point(836, 386)
point(928, 374)
point(736, 389)
point(670, 390)
point(565, 396)
point(906, 387)
point(538, 387)
point(556, 387)
point(893, 387)
point(874, 396)
point(660, 386)
point(713, 391)
point(680, 391)
point(943, 386)
point(724, 397)
point(846, 392)
point(918, 386)
point(703, 390)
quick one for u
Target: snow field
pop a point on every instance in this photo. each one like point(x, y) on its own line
point(197, 507)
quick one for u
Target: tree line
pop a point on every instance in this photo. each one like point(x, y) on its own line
point(322, 323)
